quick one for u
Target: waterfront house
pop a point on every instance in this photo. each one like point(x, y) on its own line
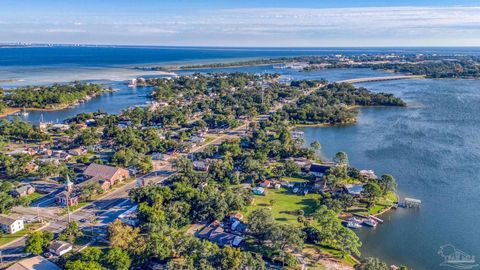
point(103, 172)
point(59, 248)
point(318, 169)
point(23, 191)
point(10, 225)
point(368, 174)
point(34, 263)
point(355, 190)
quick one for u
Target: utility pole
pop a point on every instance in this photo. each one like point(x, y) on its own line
point(68, 207)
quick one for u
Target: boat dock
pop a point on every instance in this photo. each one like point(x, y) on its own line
point(410, 203)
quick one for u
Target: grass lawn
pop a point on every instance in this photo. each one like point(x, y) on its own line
point(294, 179)
point(332, 252)
point(285, 204)
point(34, 196)
point(7, 238)
point(380, 205)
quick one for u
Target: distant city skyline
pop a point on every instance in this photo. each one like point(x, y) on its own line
point(248, 23)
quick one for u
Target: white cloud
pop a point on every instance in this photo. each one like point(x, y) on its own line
point(372, 26)
point(64, 30)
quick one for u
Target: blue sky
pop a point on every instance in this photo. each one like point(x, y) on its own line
point(243, 23)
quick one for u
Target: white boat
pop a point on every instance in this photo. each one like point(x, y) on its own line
point(24, 113)
point(370, 222)
point(353, 225)
point(354, 219)
point(132, 83)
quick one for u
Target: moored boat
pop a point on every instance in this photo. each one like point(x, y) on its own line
point(353, 224)
point(370, 222)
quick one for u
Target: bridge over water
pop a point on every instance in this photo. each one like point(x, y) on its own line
point(385, 78)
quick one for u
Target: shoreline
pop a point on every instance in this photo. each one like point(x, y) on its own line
point(9, 111)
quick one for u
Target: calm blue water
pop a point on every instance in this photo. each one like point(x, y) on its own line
point(109, 56)
point(433, 150)
point(432, 147)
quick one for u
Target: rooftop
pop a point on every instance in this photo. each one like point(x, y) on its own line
point(5, 220)
point(34, 263)
point(101, 171)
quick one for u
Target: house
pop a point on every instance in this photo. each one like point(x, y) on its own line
point(205, 232)
point(103, 172)
point(200, 166)
point(197, 139)
point(10, 225)
point(221, 238)
point(59, 248)
point(215, 233)
point(238, 227)
point(368, 174)
point(320, 169)
point(265, 184)
point(104, 185)
point(77, 151)
point(23, 191)
point(303, 163)
point(297, 134)
point(355, 190)
point(34, 263)
point(259, 191)
point(235, 216)
point(66, 198)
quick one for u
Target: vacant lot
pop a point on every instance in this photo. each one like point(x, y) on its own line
point(284, 204)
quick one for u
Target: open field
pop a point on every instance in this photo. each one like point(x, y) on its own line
point(284, 204)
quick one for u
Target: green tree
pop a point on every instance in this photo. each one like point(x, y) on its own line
point(82, 265)
point(91, 254)
point(327, 225)
point(258, 223)
point(231, 258)
point(316, 145)
point(71, 233)
point(347, 242)
point(372, 191)
point(341, 158)
point(118, 259)
point(372, 264)
point(387, 183)
point(37, 242)
point(285, 237)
